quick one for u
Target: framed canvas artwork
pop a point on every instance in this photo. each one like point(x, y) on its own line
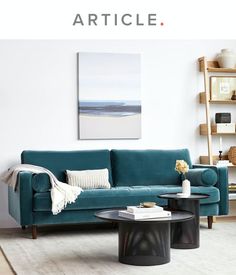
point(109, 100)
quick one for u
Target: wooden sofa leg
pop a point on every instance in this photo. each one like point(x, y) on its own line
point(209, 221)
point(34, 232)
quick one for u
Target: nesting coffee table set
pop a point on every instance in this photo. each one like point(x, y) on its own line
point(148, 242)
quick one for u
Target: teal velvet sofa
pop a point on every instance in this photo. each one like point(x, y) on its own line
point(135, 176)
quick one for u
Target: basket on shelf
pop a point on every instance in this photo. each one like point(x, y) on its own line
point(232, 154)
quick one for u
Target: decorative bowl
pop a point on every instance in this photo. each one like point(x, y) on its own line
point(148, 204)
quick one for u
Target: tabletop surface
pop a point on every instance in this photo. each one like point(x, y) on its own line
point(193, 196)
point(113, 216)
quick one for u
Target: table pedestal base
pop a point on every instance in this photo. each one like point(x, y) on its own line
point(185, 235)
point(144, 243)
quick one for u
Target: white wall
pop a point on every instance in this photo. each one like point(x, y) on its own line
point(38, 100)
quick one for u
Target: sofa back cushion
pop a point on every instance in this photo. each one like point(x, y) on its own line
point(60, 161)
point(147, 167)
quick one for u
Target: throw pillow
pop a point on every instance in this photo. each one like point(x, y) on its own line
point(89, 179)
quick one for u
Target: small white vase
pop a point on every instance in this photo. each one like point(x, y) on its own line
point(186, 188)
point(226, 59)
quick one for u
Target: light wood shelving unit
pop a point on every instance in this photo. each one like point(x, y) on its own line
point(207, 129)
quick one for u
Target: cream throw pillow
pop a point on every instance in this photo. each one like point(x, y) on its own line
point(89, 179)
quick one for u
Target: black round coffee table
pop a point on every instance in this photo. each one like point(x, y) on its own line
point(185, 234)
point(144, 242)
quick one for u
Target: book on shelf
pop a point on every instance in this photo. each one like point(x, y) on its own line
point(140, 209)
point(222, 163)
point(232, 184)
point(232, 187)
point(143, 216)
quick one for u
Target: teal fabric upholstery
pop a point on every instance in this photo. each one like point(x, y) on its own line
point(202, 176)
point(147, 167)
point(41, 182)
point(87, 216)
point(135, 175)
point(60, 161)
point(222, 185)
point(20, 203)
point(122, 196)
point(66, 217)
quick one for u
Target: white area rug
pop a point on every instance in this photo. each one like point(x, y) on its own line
point(91, 252)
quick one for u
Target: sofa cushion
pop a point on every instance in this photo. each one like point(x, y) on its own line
point(89, 179)
point(147, 167)
point(202, 176)
point(121, 197)
point(60, 161)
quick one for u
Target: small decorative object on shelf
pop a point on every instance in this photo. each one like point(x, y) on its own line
point(232, 154)
point(232, 188)
point(223, 123)
point(223, 163)
point(226, 59)
point(223, 117)
point(222, 87)
point(220, 155)
point(220, 150)
point(182, 168)
point(220, 147)
point(233, 97)
point(225, 128)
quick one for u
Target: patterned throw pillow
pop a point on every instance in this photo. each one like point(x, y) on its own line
point(89, 179)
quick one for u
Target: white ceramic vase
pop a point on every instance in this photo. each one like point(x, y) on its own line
point(186, 187)
point(226, 59)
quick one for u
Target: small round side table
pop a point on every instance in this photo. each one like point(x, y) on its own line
point(185, 235)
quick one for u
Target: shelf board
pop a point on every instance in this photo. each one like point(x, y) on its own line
point(205, 160)
point(203, 101)
point(223, 134)
point(221, 70)
point(213, 67)
point(203, 131)
point(223, 101)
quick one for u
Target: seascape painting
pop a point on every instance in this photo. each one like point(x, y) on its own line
point(109, 104)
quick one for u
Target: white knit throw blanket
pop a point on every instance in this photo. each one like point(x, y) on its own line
point(61, 193)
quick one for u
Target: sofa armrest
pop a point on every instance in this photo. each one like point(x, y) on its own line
point(20, 201)
point(221, 184)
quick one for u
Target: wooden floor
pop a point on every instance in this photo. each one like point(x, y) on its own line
point(6, 269)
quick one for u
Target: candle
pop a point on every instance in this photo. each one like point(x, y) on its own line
point(220, 144)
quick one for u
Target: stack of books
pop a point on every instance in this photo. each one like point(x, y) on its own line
point(143, 213)
point(232, 188)
point(223, 163)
